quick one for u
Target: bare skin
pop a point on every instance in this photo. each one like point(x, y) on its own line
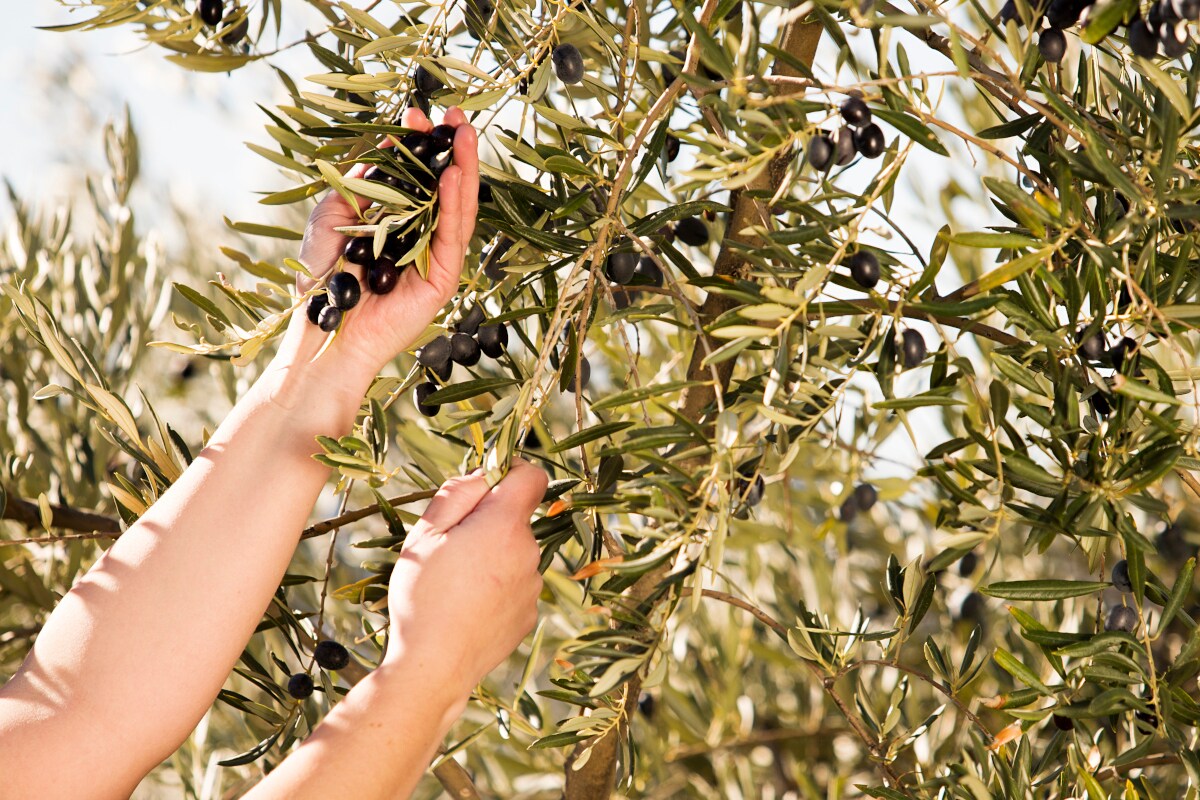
point(136, 652)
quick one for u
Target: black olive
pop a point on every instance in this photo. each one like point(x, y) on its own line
point(493, 339)
point(464, 350)
point(331, 655)
point(422, 394)
point(300, 686)
point(344, 291)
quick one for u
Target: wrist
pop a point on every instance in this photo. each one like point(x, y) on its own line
point(318, 396)
point(411, 680)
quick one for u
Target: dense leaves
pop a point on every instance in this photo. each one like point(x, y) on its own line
point(777, 412)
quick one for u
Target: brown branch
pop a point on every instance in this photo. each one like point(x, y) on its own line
point(72, 519)
point(328, 525)
point(1149, 761)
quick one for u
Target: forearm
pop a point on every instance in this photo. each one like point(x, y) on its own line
point(376, 743)
point(137, 650)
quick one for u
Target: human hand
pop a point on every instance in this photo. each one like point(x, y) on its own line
point(380, 326)
point(464, 592)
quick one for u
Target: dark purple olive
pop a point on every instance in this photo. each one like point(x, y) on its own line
point(620, 267)
point(912, 349)
point(493, 339)
point(865, 496)
point(435, 352)
point(1052, 44)
point(239, 30)
point(344, 291)
point(671, 147)
point(439, 163)
point(300, 686)
point(314, 306)
point(821, 152)
point(331, 655)
point(567, 62)
point(855, 112)
point(442, 137)
point(864, 268)
point(1063, 723)
point(441, 372)
point(1093, 347)
point(1142, 39)
point(426, 82)
point(648, 269)
point(1119, 353)
point(396, 246)
point(692, 231)
point(845, 147)
point(210, 11)
point(870, 141)
point(1121, 618)
point(464, 350)
point(485, 193)
point(422, 394)
point(418, 143)
point(383, 276)
point(329, 319)
point(1120, 577)
point(470, 322)
point(1174, 38)
point(359, 250)
point(967, 564)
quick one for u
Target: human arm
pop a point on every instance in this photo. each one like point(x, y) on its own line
point(134, 654)
point(462, 596)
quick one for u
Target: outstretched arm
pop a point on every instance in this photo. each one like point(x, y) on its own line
point(135, 653)
point(462, 596)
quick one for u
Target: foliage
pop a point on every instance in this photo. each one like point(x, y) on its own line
point(791, 645)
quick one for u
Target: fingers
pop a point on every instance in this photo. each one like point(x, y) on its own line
point(466, 157)
point(454, 501)
point(322, 244)
point(448, 247)
point(518, 495)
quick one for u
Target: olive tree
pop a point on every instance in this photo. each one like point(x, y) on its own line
point(844, 503)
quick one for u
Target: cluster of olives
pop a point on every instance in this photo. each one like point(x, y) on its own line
point(471, 340)
point(329, 655)
point(862, 499)
point(859, 135)
point(434, 151)
point(1164, 28)
point(864, 270)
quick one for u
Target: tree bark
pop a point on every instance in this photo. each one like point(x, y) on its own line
point(596, 779)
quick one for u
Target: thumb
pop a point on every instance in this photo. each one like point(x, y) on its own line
point(454, 501)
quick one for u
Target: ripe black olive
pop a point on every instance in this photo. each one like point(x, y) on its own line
point(1120, 577)
point(442, 137)
point(331, 655)
point(329, 319)
point(418, 143)
point(821, 151)
point(865, 496)
point(300, 686)
point(1052, 44)
point(567, 62)
point(620, 267)
point(422, 394)
point(855, 112)
point(845, 147)
point(470, 322)
point(435, 353)
point(864, 268)
point(464, 350)
point(692, 231)
point(1121, 618)
point(648, 269)
point(359, 250)
point(870, 141)
point(314, 306)
point(1142, 39)
point(912, 349)
point(383, 276)
point(426, 82)
point(344, 291)
point(493, 339)
point(211, 11)
point(583, 375)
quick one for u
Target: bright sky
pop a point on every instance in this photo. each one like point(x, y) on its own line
point(191, 125)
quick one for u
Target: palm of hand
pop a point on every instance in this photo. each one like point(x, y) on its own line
point(382, 325)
